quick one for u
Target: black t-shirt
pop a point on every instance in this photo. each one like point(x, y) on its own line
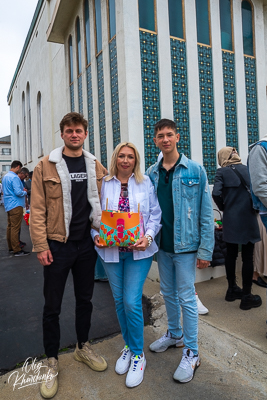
point(80, 224)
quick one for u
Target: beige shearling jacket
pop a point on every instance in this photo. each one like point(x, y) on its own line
point(51, 207)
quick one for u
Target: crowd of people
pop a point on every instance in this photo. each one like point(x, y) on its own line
point(67, 193)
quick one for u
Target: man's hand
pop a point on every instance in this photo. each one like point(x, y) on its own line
point(45, 257)
point(201, 264)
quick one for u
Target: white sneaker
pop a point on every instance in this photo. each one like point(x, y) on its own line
point(165, 342)
point(187, 367)
point(200, 306)
point(136, 371)
point(123, 363)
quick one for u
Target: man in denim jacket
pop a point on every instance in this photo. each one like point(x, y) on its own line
point(257, 163)
point(186, 240)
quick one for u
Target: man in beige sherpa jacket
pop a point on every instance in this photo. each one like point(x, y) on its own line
point(64, 206)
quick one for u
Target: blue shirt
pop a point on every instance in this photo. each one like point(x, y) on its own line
point(14, 195)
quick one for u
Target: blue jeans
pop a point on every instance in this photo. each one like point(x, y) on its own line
point(126, 279)
point(99, 270)
point(177, 278)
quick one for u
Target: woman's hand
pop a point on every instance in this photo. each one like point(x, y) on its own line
point(140, 245)
point(97, 244)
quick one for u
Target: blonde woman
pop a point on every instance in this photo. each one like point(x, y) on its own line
point(127, 268)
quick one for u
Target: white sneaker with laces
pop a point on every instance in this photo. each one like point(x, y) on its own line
point(187, 367)
point(202, 310)
point(165, 342)
point(136, 371)
point(123, 363)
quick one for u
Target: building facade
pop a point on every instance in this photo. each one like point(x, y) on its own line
point(124, 64)
point(5, 155)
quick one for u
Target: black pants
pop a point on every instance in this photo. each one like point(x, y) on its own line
point(80, 258)
point(247, 264)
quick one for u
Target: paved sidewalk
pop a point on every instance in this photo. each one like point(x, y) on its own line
point(21, 305)
point(233, 344)
point(233, 358)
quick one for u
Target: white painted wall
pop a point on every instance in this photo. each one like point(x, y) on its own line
point(49, 74)
point(193, 81)
point(218, 91)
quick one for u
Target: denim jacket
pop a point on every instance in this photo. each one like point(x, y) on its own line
point(193, 211)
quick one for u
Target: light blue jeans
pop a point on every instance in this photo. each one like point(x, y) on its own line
point(126, 279)
point(177, 278)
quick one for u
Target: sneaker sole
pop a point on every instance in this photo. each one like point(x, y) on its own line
point(49, 393)
point(189, 379)
point(95, 367)
point(140, 380)
point(203, 312)
point(244, 307)
point(178, 346)
point(122, 372)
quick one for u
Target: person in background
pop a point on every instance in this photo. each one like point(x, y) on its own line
point(186, 241)
point(28, 185)
point(260, 257)
point(1, 194)
point(257, 164)
point(14, 202)
point(127, 268)
point(232, 196)
point(23, 176)
point(100, 273)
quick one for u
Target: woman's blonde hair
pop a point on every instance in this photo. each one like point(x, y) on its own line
point(113, 170)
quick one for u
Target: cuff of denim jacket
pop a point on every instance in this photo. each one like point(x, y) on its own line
point(203, 255)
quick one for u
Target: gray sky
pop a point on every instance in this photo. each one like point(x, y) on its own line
point(15, 20)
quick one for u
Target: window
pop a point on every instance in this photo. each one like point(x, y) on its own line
point(112, 18)
point(71, 59)
point(24, 128)
point(147, 15)
point(6, 152)
point(176, 18)
point(98, 26)
point(202, 16)
point(6, 168)
point(18, 143)
point(29, 120)
point(247, 25)
point(226, 24)
point(39, 123)
point(79, 54)
point(87, 32)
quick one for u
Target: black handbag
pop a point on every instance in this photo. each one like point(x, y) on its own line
point(220, 249)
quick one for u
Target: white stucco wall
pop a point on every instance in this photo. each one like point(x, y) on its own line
point(45, 67)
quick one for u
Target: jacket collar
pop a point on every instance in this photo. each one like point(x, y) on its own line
point(56, 155)
point(116, 179)
point(183, 162)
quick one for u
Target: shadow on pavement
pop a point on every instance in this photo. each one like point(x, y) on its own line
point(21, 304)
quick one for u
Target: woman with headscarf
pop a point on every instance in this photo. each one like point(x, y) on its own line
point(232, 195)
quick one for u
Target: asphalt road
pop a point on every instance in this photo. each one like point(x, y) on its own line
point(21, 304)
